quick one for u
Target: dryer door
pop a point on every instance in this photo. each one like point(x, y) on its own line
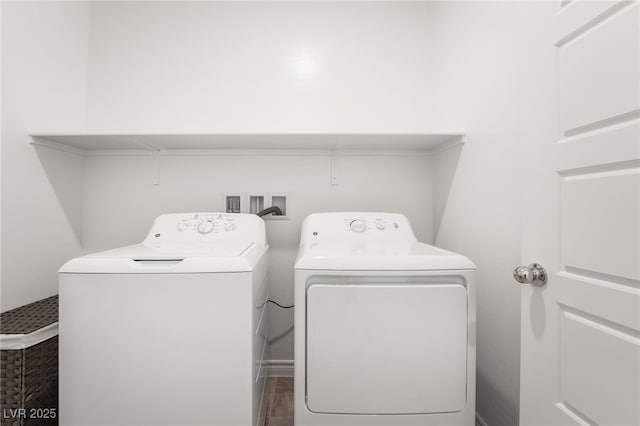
point(386, 348)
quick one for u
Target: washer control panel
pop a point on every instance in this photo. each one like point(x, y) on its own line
point(186, 228)
point(205, 223)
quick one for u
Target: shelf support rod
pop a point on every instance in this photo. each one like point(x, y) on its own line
point(334, 167)
point(155, 180)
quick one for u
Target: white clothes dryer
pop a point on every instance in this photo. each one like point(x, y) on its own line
point(172, 331)
point(384, 326)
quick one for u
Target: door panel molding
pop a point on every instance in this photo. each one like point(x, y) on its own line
point(598, 73)
point(599, 381)
point(578, 17)
point(617, 144)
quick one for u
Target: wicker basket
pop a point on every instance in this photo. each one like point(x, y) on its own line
point(29, 376)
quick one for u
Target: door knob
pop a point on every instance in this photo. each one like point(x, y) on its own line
point(532, 274)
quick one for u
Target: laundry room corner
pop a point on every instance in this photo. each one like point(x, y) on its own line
point(44, 84)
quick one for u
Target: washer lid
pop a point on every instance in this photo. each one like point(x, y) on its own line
point(183, 243)
point(176, 250)
point(233, 256)
point(379, 256)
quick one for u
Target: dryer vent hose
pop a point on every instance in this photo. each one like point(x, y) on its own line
point(274, 209)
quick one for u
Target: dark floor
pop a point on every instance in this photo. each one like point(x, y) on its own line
point(279, 392)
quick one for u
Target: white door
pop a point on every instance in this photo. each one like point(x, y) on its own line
point(581, 331)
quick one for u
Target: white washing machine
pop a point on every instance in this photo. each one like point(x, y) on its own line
point(384, 325)
point(172, 331)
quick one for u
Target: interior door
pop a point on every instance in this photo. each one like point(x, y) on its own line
point(581, 331)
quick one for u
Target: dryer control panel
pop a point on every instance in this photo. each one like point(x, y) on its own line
point(362, 226)
point(359, 224)
point(204, 227)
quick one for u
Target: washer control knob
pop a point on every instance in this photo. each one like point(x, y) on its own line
point(380, 225)
point(230, 227)
point(358, 226)
point(205, 227)
point(182, 226)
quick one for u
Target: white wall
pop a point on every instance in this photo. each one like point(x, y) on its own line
point(260, 66)
point(257, 67)
point(44, 85)
point(495, 69)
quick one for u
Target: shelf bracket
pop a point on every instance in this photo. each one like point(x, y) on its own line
point(155, 173)
point(334, 167)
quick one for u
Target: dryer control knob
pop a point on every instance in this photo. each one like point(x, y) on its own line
point(358, 226)
point(182, 226)
point(380, 225)
point(205, 227)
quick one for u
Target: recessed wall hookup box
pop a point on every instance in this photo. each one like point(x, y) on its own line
point(281, 202)
point(232, 203)
point(256, 203)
